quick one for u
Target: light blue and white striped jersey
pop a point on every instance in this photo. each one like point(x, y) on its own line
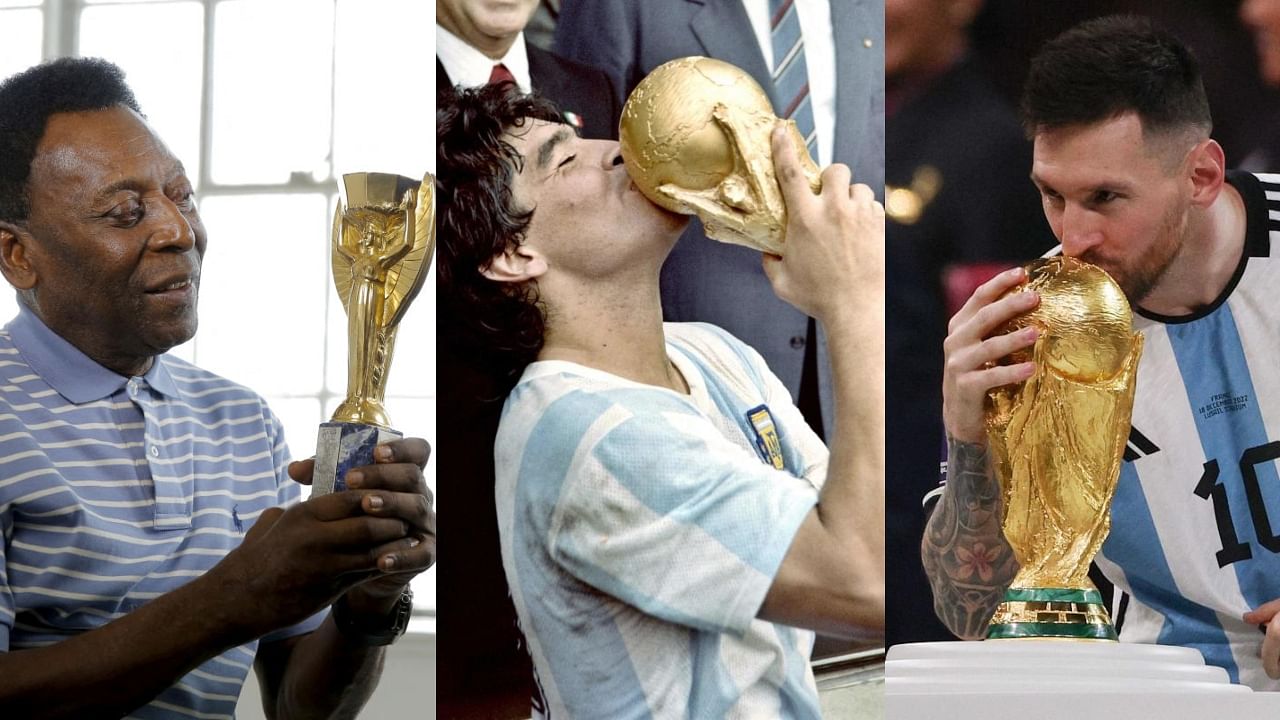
point(1193, 539)
point(116, 490)
point(641, 529)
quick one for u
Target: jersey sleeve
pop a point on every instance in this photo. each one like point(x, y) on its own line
point(659, 510)
point(795, 430)
point(804, 452)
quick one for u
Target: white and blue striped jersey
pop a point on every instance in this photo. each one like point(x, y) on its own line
point(641, 529)
point(116, 490)
point(1193, 541)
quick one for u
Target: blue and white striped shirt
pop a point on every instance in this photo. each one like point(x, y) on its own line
point(642, 528)
point(116, 490)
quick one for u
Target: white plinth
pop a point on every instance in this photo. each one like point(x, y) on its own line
point(1044, 679)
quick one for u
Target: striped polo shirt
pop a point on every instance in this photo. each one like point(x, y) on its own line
point(641, 530)
point(115, 490)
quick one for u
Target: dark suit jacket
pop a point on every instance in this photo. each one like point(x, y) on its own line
point(581, 91)
point(710, 281)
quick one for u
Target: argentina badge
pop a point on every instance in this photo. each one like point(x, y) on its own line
point(768, 444)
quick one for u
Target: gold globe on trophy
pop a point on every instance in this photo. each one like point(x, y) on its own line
point(383, 238)
point(695, 140)
point(1057, 441)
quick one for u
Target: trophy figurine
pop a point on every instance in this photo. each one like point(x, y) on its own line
point(1056, 443)
point(695, 140)
point(383, 236)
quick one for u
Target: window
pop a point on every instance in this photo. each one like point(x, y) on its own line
point(268, 103)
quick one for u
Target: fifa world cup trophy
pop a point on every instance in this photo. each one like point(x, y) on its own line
point(1056, 442)
point(695, 140)
point(383, 237)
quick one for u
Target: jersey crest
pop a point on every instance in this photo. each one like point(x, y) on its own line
point(766, 435)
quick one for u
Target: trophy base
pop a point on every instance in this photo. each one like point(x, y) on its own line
point(1067, 613)
point(1058, 680)
point(341, 446)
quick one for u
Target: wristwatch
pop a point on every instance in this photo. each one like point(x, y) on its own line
point(374, 631)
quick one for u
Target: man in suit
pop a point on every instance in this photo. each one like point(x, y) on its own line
point(489, 675)
point(844, 49)
point(478, 42)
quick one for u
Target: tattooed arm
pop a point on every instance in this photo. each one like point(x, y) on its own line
point(965, 555)
point(968, 562)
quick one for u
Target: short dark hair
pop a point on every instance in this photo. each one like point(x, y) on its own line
point(1109, 66)
point(28, 99)
point(477, 219)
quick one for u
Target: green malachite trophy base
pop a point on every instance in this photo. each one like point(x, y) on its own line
point(1066, 613)
point(1067, 631)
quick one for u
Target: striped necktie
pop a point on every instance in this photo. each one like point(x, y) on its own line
point(790, 74)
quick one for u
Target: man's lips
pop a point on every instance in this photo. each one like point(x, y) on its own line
point(173, 284)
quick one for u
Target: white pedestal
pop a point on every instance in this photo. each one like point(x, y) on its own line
point(1046, 679)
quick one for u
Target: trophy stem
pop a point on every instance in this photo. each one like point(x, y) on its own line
point(1067, 613)
point(367, 380)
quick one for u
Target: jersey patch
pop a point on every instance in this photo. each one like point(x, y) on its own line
point(766, 435)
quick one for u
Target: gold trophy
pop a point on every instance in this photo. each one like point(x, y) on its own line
point(383, 237)
point(1056, 443)
point(695, 140)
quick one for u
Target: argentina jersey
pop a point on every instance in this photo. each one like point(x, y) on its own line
point(1195, 531)
point(641, 529)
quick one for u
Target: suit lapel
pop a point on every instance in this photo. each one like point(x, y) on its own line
point(724, 31)
point(848, 44)
point(859, 87)
point(551, 81)
point(542, 73)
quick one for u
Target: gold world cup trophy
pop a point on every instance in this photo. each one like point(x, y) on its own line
point(383, 237)
point(695, 140)
point(1056, 442)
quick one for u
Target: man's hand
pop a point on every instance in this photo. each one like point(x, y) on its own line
point(294, 562)
point(834, 261)
point(1267, 616)
point(971, 353)
point(393, 489)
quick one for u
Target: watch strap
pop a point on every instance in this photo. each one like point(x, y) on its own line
point(374, 631)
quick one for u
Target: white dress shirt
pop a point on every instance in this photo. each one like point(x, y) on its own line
point(469, 67)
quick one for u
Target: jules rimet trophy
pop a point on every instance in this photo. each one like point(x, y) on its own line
point(383, 238)
point(694, 136)
point(1057, 441)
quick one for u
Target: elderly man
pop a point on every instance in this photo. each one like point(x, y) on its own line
point(1131, 181)
point(131, 579)
point(483, 41)
point(671, 528)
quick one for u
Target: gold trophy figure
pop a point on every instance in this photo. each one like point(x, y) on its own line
point(383, 236)
point(695, 140)
point(1057, 441)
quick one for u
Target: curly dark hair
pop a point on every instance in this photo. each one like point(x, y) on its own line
point(1109, 66)
point(477, 218)
point(28, 99)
